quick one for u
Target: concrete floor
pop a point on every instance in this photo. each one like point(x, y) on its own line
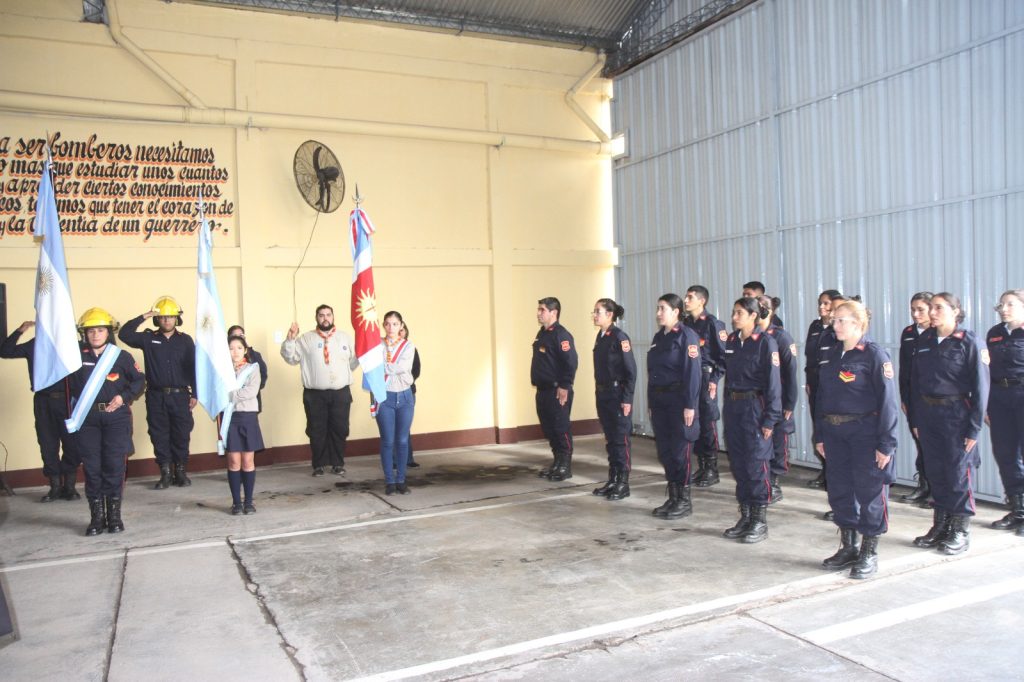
point(487, 572)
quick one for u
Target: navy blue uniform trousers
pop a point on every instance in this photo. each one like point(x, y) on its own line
point(670, 436)
point(554, 420)
point(707, 443)
point(749, 453)
point(1006, 416)
point(616, 428)
point(104, 442)
point(170, 425)
point(858, 491)
point(949, 467)
point(50, 412)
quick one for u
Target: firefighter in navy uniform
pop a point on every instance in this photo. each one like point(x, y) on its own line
point(1006, 404)
point(820, 339)
point(908, 341)
point(949, 386)
point(170, 386)
point(614, 381)
point(753, 406)
point(711, 333)
point(858, 416)
point(552, 371)
point(790, 394)
point(101, 392)
point(673, 396)
point(50, 408)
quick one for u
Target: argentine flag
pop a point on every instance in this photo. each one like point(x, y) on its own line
point(56, 348)
point(215, 373)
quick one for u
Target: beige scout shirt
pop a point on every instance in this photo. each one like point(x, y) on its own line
point(308, 351)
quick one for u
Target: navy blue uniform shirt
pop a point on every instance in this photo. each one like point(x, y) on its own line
point(787, 366)
point(554, 358)
point(170, 362)
point(860, 381)
point(1006, 352)
point(711, 332)
point(124, 378)
point(955, 367)
point(753, 365)
point(908, 341)
point(613, 361)
point(811, 344)
point(674, 360)
point(11, 350)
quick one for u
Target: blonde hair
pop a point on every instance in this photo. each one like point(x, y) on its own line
point(857, 311)
point(1019, 293)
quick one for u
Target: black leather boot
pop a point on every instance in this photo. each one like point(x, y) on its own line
point(776, 490)
point(621, 488)
point(681, 506)
point(609, 484)
point(563, 468)
point(919, 494)
point(54, 493)
point(710, 476)
point(702, 468)
point(958, 539)
point(1015, 519)
point(819, 480)
point(867, 561)
point(848, 552)
point(97, 520)
point(741, 526)
point(165, 478)
point(660, 511)
point(757, 530)
point(68, 492)
point(181, 478)
point(114, 523)
point(937, 533)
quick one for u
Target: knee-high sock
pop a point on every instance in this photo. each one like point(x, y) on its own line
point(235, 483)
point(248, 482)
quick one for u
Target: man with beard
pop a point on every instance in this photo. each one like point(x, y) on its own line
point(326, 357)
point(170, 357)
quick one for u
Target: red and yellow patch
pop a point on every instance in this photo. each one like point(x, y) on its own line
point(113, 376)
point(887, 370)
point(847, 377)
point(702, 343)
point(692, 351)
point(985, 356)
point(775, 358)
point(625, 346)
point(565, 346)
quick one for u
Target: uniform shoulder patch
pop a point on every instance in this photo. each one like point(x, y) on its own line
point(566, 346)
point(722, 335)
point(887, 370)
point(958, 334)
point(792, 349)
point(985, 356)
point(625, 346)
point(775, 358)
point(692, 350)
point(137, 368)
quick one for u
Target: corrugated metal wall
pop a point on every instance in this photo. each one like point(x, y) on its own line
point(871, 146)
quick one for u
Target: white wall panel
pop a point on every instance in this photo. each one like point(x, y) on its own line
point(866, 145)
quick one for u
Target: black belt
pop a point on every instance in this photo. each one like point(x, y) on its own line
point(743, 395)
point(54, 394)
point(606, 387)
point(168, 390)
point(943, 399)
point(707, 370)
point(667, 388)
point(837, 419)
point(1006, 383)
point(545, 387)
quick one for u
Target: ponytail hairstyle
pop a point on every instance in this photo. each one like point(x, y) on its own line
point(953, 302)
point(925, 296)
point(610, 306)
point(750, 305)
point(857, 311)
point(765, 306)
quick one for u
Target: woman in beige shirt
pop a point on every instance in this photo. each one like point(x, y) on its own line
point(394, 415)
point(244, 437)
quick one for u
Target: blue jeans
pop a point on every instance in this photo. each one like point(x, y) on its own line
point(394, 419)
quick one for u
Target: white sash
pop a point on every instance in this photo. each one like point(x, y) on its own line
point(225, 420)
point(84, 403)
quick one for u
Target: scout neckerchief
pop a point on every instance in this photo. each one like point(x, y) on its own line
point(92, 387)
point(327, 337)
point(390, 357)
point(225, 420)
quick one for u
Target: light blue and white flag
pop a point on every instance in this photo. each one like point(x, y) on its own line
point(215, 373)
point(57, 352)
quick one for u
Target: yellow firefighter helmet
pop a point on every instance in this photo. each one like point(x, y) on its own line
point(97, 317)
point(166, 306)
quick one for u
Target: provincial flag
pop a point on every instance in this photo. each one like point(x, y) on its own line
point(365, 322)
point(56, 353)
point(215, 373)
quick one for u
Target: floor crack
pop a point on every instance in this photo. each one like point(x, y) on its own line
point(117, 612)
point(268, 616)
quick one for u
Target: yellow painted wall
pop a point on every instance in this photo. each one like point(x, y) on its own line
point(470, 234)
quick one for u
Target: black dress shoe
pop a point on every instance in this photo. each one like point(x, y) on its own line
point(412, 464)
point(248, 508)
point(318, 471)
point(828, 516)
point(338, 471)
point(403, 488)
point(236, 509)
point(389, 489)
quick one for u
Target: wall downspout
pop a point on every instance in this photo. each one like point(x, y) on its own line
point(116, 32)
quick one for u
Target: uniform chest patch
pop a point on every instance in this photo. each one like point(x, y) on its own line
point(113, 376)
point(995, 339)
point(692, 351)
point(565, 346)
point(847, 377)
point(626, 347)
